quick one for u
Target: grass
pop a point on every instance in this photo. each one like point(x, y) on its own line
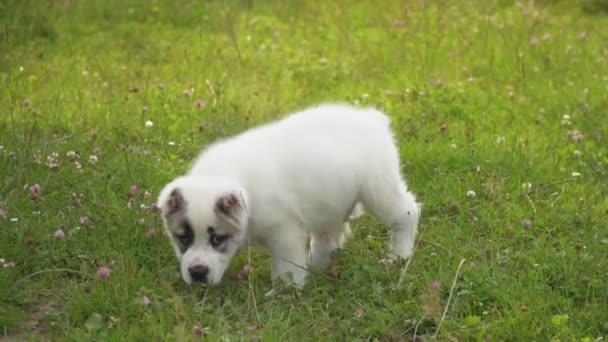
point(478, 92)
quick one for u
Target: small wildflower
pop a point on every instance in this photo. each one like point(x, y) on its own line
point(149, 124)
point(72, 155)
point(582, 35)
point(26, 102)
point(200, 103)
point(9, 264)
point(436, 284)
point(500, 140)
point(147, 152)
point(576, 174)
point(147, 194)
point(244, 272)
point(2, 214)
point(145, 301)
point(93, 159)
point(35, 191)
point(526, 187)
point(59, 234)
point(144, 109)
point(85, 73)
point(134, 189)
point(576, 136)
point(96, 151)
point(253, 327)
point(171, 143)
point(526, 223)
point(132, 202)
point(387, 261)
point(471, 193)
point(576, 154)
point(52, 160)
point(154, 208)
point(566, 120)
point(84, 220)
point(187, 92)
point(113, 321)
point(151, 233)
point(359, 312)
point(197, 330)
point(14, 219)
point(103, 272)
point(533, 41)
point(141, 221)
point(568, 48)
point(547, 36)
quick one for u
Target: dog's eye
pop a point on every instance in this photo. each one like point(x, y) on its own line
point(215, 239)
point(184, 239)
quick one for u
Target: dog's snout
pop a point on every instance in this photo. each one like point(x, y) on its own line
point(199, 273)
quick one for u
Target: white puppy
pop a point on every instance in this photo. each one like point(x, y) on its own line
point(284, 184)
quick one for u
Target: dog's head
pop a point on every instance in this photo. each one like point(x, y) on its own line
point(206, 220)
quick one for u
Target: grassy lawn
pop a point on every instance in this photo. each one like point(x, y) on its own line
point(500, 109)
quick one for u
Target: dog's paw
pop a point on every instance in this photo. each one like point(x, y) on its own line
point(402, 251)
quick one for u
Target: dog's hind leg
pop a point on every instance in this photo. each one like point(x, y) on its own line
point(323, 244)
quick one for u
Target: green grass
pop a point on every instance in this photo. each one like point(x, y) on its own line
point(477, 94)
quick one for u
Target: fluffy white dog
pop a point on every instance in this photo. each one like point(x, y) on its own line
point(290, 186)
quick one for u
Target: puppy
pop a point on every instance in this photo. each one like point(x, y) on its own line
point(290, 186)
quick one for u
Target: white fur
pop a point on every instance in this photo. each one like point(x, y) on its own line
point(300, 177)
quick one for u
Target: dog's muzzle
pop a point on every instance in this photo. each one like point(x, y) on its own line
point(199, 273)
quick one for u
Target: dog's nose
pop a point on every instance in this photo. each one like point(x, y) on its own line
point(199, 273)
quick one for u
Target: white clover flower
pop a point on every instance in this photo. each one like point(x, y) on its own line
point(576, 174)
point(471, 193)
point(72, 155)
point(526, 187)
point(149, 124)
point(93, 159)
point(52, 160)
point(576, 153)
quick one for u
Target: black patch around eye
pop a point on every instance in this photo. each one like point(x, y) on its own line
point(216, 240)
point(186, 237)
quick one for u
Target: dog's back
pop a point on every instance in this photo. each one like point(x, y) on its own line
point(311, 165)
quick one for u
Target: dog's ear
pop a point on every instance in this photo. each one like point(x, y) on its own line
point(231, 208)
point(174, 203)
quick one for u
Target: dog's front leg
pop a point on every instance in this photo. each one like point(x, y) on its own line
point(289, 253)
